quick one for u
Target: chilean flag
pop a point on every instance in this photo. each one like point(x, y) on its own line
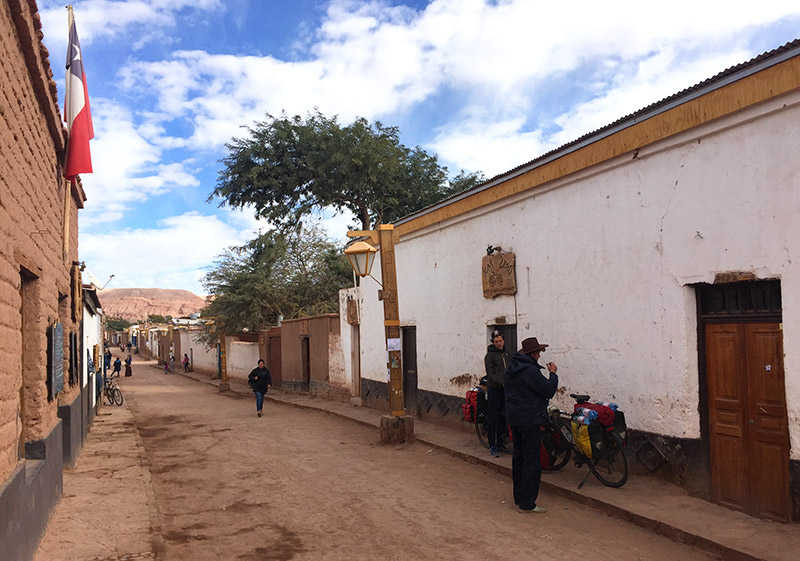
point(76, 109)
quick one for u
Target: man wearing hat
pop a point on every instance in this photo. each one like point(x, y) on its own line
point(527, 392)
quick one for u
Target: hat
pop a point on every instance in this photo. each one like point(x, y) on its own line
point(531, 345)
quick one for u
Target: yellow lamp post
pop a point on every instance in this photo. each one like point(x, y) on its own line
point(397, 427)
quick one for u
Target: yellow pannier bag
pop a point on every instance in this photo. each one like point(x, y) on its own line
point(580, 433)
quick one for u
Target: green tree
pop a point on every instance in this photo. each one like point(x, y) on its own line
point(275, 275)
point(117, 324)
point(156, 318)
point(288, 167)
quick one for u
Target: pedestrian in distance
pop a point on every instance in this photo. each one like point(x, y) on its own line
point(496, 361)
point(128, 367)
point(117, 367)
point(106, 361)
point(185, 362)
point(171, 363)
point(261, 381)
point(527, 391)
point(129, 346)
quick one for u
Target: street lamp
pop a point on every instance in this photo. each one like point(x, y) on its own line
point(397, 427)
point(362, 257)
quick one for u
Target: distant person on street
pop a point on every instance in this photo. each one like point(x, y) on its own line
point(129, 346)
point(106, 361)
point(128, 368)
point(185, 362)
point(261, 381)
point(171, 363)
point(117, 367)
point(527, 392)
point(496, 361)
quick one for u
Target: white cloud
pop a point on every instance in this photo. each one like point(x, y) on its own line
point(174, 254)
point(108, 19)
point(127, 167)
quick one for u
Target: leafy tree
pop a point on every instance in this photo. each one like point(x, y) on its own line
point(117, 324)
point(277, 274)
point(287, 167)
point(156, 318)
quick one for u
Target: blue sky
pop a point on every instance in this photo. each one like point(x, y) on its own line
point(486, 85)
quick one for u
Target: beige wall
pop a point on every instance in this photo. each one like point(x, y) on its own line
point(32, 203)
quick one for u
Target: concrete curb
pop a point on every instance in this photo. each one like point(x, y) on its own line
point(655, 526)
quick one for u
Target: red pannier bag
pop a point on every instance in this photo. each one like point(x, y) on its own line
point(605, 415)
point(469, 409)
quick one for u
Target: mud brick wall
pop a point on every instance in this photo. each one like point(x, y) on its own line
point(35, 287)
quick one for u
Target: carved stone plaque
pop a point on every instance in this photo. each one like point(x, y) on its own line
point(499, 274)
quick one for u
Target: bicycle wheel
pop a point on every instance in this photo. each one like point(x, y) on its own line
point(483, 436)
point(611, 466)
point(117, 396)
point(109, 395)
point(558, 449)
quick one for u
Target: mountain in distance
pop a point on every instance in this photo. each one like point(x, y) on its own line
point(135, 304)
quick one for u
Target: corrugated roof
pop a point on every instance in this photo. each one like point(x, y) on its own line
point(727, 76)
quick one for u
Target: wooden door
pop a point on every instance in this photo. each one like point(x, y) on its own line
point(410, 379)
point(748, 429)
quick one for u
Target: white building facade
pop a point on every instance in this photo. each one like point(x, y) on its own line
point(659, 258)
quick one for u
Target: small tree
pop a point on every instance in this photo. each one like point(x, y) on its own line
point(275, 275)
point(117, 323)
point(156, 318)
point(288, 167)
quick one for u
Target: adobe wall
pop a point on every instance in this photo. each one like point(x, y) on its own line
point(32, 202)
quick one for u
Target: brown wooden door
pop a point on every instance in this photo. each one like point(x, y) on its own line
point(748, 429)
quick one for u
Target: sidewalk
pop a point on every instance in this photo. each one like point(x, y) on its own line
point(107, 510)
point(649, 502)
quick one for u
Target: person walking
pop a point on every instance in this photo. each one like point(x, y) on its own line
point(185, 362)
point(496, 361)
point(117, 367)
point(527, 391)
point(128, 368)
point(106, 361)
point(261, 381)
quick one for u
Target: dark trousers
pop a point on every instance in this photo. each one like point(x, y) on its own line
point(495, 415)
point(526, 466)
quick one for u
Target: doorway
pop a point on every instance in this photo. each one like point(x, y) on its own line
point(410, 377)
point(748, 431)
point(305, 363)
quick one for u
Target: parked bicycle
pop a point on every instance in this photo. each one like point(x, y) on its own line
point(603, 452)
point(111, 391)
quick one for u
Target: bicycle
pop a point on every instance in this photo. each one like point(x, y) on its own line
point(608, 461)
point(112, 392)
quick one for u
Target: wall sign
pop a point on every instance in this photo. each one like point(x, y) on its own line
point(56, 359)
point(499, 274)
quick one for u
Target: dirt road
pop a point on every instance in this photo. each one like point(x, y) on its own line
point(298, 484)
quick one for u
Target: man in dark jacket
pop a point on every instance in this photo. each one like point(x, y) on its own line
point(261, 381)
point(527, 393)
point(496, 361)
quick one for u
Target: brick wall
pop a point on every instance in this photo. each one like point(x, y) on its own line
point(33, 267)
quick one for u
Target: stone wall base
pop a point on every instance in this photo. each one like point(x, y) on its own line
point(29, 495)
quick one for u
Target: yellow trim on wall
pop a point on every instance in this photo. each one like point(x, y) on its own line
point(771, 82)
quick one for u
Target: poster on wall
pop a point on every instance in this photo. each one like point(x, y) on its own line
point(56, 370)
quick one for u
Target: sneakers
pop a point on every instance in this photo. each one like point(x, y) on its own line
point(534, 510)
point(493, 452)
point(259, 413)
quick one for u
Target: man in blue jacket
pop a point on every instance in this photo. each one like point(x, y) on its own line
point(527, 392)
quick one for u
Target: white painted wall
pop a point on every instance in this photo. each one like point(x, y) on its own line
point(92, 335)
point(605, 258)
point(204, 359)
point(242, 357)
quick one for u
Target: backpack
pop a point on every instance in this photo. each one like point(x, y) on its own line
point(474, 407)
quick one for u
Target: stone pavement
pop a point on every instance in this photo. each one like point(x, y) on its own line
point(108, 511)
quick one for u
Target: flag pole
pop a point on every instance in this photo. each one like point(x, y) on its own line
point(68, 182)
